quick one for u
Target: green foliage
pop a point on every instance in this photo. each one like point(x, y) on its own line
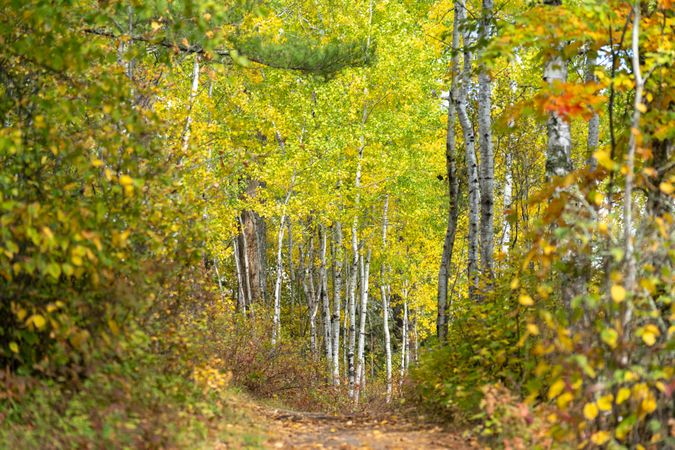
point(301, 54)
point(483, 347)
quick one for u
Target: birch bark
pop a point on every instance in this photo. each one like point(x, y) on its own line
point(337, 299)
point(385, 299)
point(365, 270)
point(325, 300)
point(486, 150)
point(453, 194)
point(461, 105)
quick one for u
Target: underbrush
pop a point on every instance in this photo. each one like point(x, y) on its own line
point(532, 370)
point(215, 340)
point(123, 403)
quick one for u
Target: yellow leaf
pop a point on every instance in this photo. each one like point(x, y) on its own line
point(648, 405)
point(590, 411)
point(525, 300)
point(14, 347)
point(603, 158)
point(155, 26)
point(515, 283)
point(618, 293)
point(564, 400)
point(556, 388)
point(21, 313)
point(38, 321)
point(641, 107)
point(113, 327)
point(126, 180)
point(622, 395)
point(533, 329)
point(605, 402)
point(666, 188)
point(600, 437)
point(649, 334)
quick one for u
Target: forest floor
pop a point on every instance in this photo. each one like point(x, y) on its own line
point(287, 429)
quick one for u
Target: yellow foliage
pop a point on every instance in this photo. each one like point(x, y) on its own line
point(590, 411)
point(618, 293)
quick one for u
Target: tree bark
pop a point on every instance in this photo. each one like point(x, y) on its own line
point(507, 198)
point(365, 269)
point(193, 95)
point(453, 194)
point(630, 264)
point(325, 300)
point(337, 299)
point(276, 321)
point(385, 299)
point(461, 105)
point(404, 337)
point(558, 151)
point(487, 164)
point(593, 137)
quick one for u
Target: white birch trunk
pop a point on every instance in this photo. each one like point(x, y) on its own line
point(487, 162)
point(471, 162)
point(325, 300)
point(337, 299)
point(593, 137)
point(248, 305)
point(365, 269)
point(276, 322)
point(507, 197)
point(355, 268)
point(241, 299)
point(630, 262)
point(404, 337)
point(193, 95)
point(558, 151)
point(385, 299)
point(453, 194)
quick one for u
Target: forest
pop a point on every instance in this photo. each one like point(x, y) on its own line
point(381, 224)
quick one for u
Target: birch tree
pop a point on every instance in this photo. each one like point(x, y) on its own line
point(461, 106)
point(384, 289)
point(365, 271)
point(486, 149)
point(453, 190)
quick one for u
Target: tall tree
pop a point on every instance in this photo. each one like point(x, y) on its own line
point(461, 105)
point(487, 162)
point(453, 189)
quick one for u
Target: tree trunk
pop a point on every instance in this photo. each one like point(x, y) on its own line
point(487, 163)
point(352, 312)
point(193, 95)
point(276, 322)
point(325, 300)
point(244, 253)
point(337, 299)
point(558, 151)
point(312, 304)
point(241, 295)
point(365, 269)
point(593, 137)
point(453, 194)
point(630, 264)
point(355, 265)
point(385, 300)
point(471, 163)
point(507, 198)
point(404, 336)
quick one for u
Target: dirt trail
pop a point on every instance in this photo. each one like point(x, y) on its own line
point(298, 430)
